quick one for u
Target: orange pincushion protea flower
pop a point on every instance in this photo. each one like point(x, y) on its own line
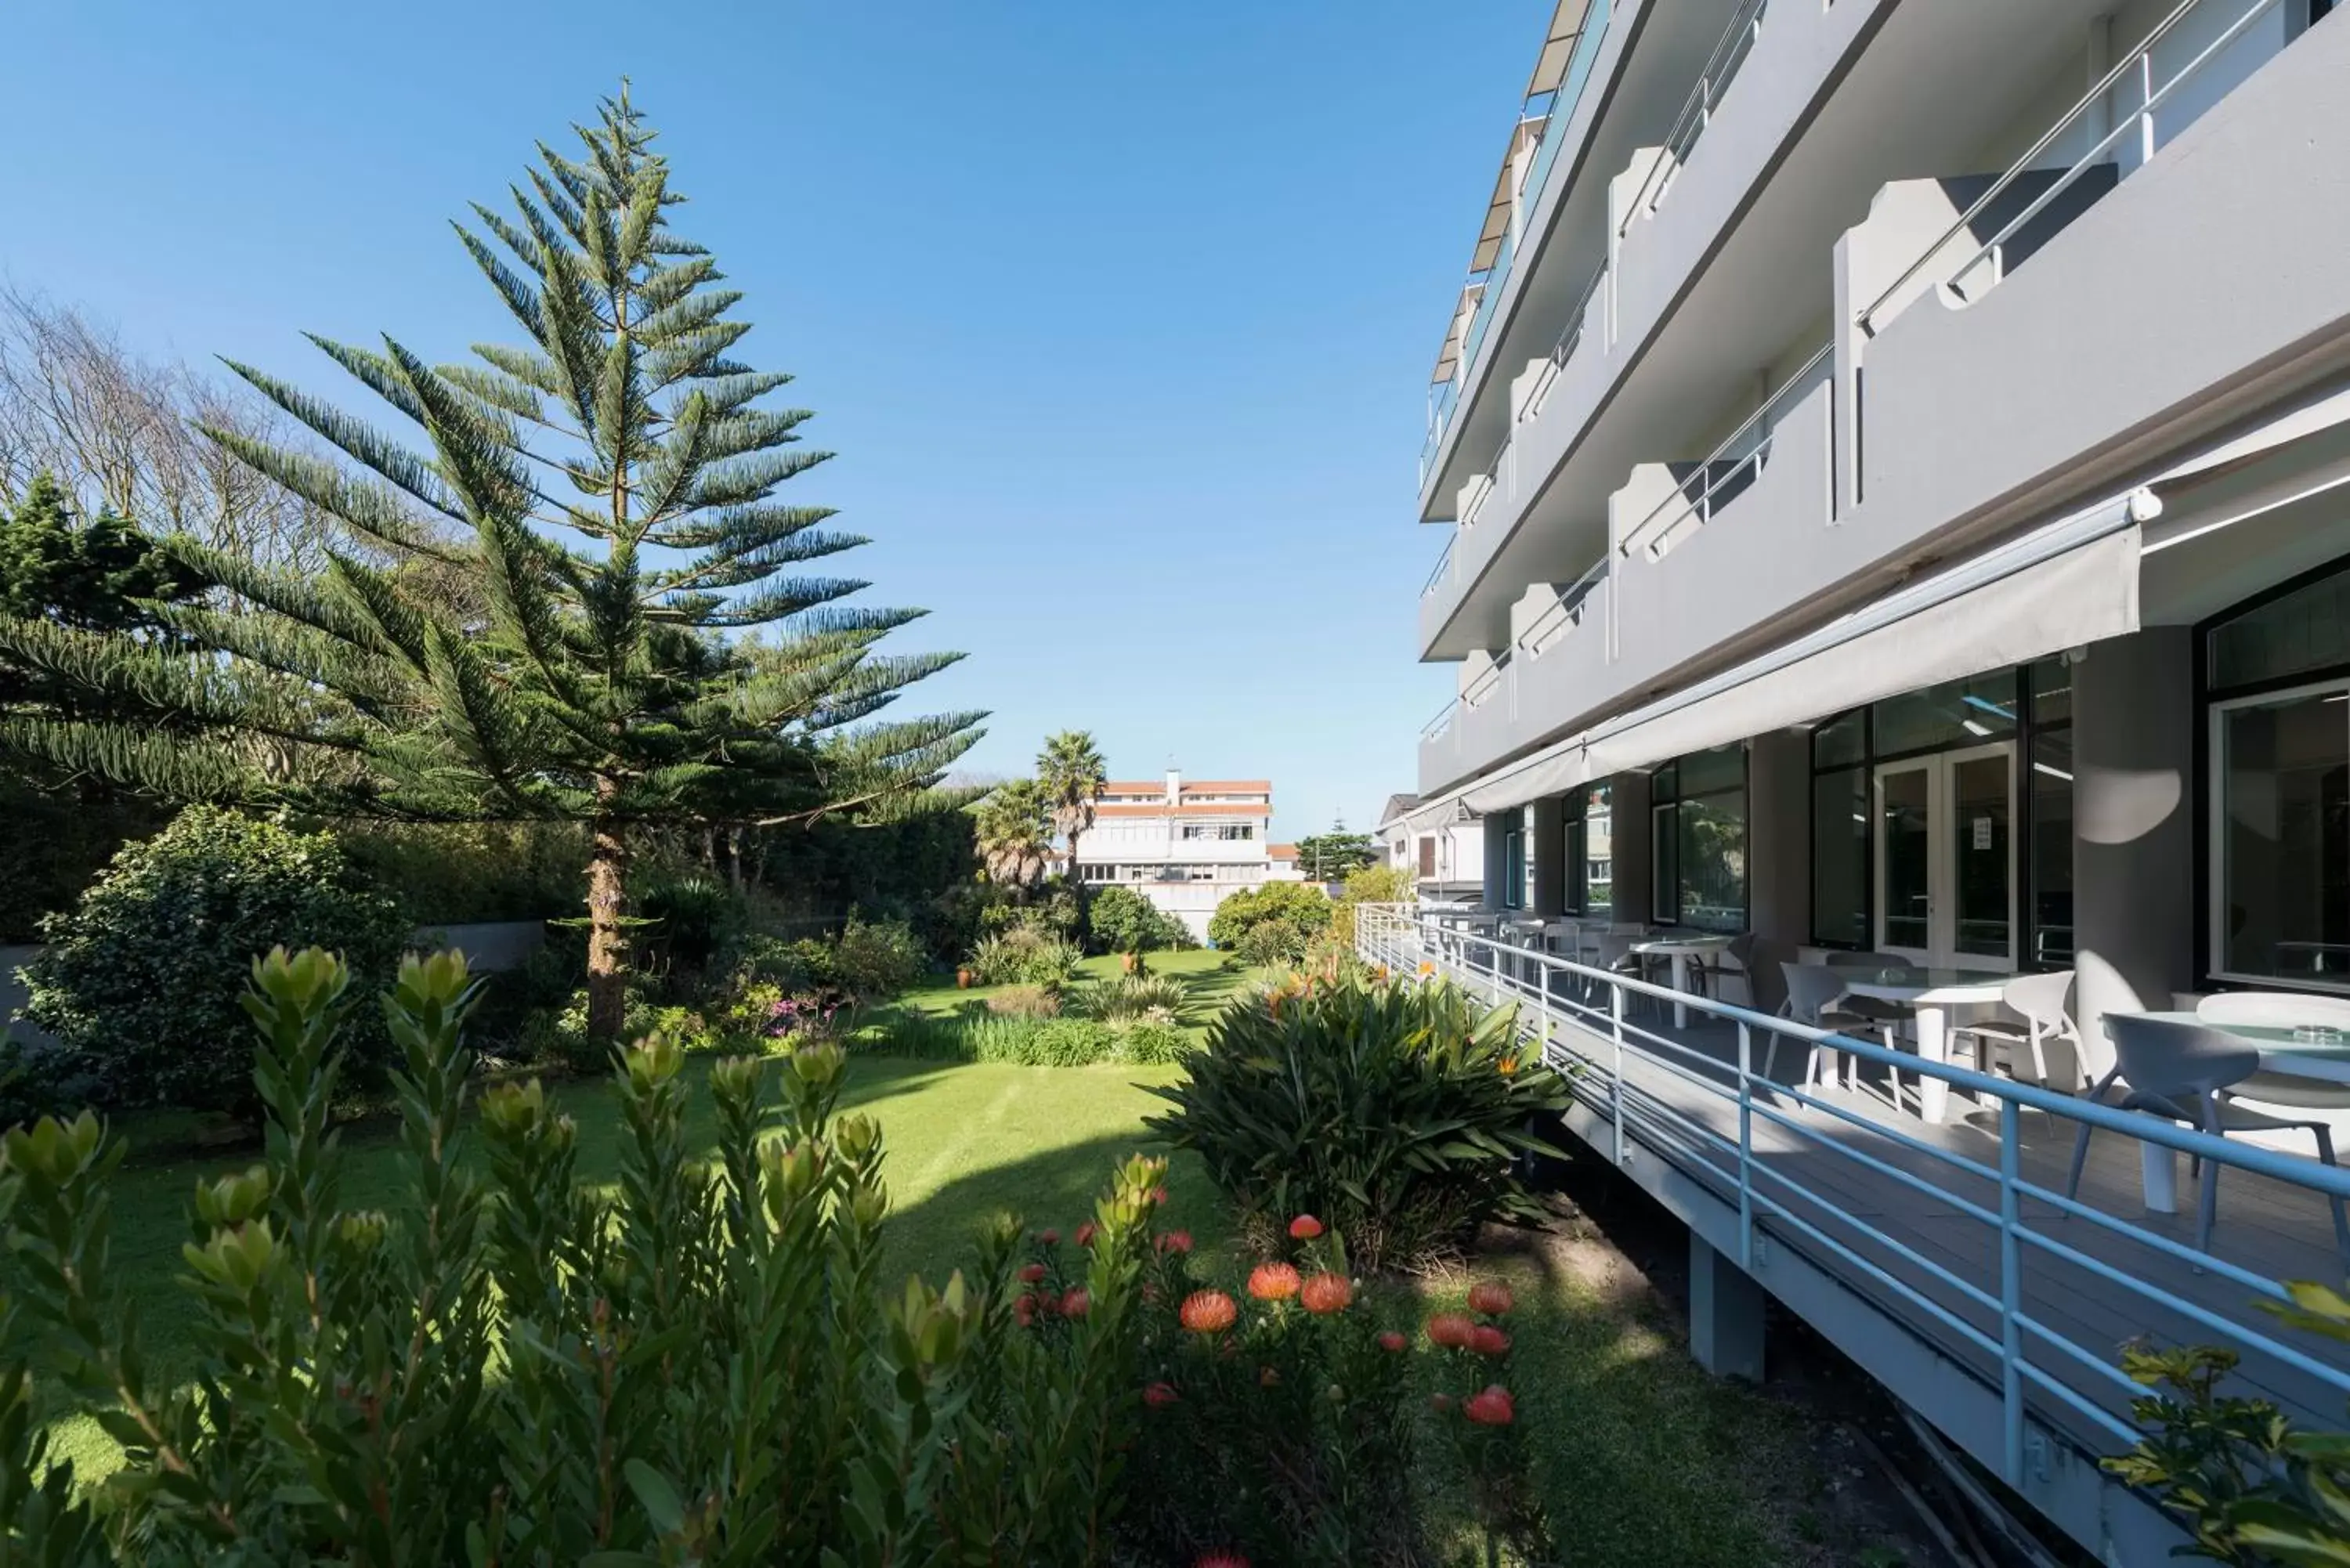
point(1492, 1299)
point(1175, 1241)
point(1450, 1329)
point(1304, 1228)
point(1490, 1408)
point(1208, 1312)
point(1326, 1293)
point(1076, 1304)
point(1086, 1234)
point(1487, 1340)
point(1274, 1281)
point(1032, 1272)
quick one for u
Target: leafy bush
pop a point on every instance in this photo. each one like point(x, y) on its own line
point(1368, 884)
point(1152, 1040)
point(1027, 1040)
point(873, 960)
point(687, 920)
point(143, 978)
point(1135, 996)
point(1303, 905)
point(684, 1363)
point(1270, 944)
point(1122, 920)
point(1024, 955)
point(444, 873)
point(1399, 1111)
point(1026, 1001)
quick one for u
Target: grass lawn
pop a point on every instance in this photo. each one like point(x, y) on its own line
point(1206, 975)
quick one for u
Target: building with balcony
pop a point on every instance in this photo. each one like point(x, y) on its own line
point(1893, 458)
point(1185, 845)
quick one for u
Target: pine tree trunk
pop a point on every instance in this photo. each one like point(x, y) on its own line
point(608, 939)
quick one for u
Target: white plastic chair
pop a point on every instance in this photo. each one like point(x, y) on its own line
point(2038, 1000)
point(1815, 997)
point(2180, 1071)
point(2282, 1009)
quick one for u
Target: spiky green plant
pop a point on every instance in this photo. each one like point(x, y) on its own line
point(535, 614)
point(1071, 771)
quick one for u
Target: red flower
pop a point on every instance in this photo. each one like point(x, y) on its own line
point(1489, 1298)
point(1158, 1195)
point(1175, 1241)
point(1450, 1329)
point(1032, 1272)
point(1159, 1396)
point(1274, 1281)
point(1076, 1304)
point(1050, 1238)
point(1391, 1341)
point(1221, 1559)
point(1024, 1309)
point(1487, 1340)
point(1086, 1234)
point(1304, 1228)
point(1490, 1408)
point(1326, 1292)
point(1208, 1312)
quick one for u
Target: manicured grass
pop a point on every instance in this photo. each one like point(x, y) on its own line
point(1212, 980)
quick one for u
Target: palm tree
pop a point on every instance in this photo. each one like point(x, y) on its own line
point(1014, 828)
point(1070, 770)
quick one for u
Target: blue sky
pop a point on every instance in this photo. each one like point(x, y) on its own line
point(1118, 316)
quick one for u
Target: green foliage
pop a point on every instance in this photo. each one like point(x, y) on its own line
point(1012, 827)
point(98, 574)
point(1122, 920)
point(685, 923)
point(1031, 1038)
point(1273, 944)
point(1398, 1111)
point(1025, 1001)
point(1302, 904)
point(447, 873)
point(1133, 996)
point(1071, 772)
point(1331, 856)
point(2251, 1489)
point(695, 1363)
point(1023, 955)
point(1368, 884)
point(143, 979)
point(873, 960)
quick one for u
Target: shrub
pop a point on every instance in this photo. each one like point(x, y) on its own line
point(975, 1034)
point(1152, 1039)
point(444, 873)
point(874, 961)
point(1122, 920)
point(687, 922)
point(1305, 906)
point(1270, 944)
point(1368, 884)
point(143, 978)
point(1398, 1111)
point(1025, 1001)
point(1135, 996)
point(675, 1364)
point(1024, 955)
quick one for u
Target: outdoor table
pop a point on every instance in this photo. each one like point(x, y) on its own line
point(2280, 1052)
point(1931, 993)
point(1679, 950)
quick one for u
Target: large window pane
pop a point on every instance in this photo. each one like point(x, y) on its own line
point(1840, 858)
point(1983, 857)
point(2052, 849)
point(2284, 798)
point(1955, 713)
point(1906, 848)
point(1598, 851)
point(1705, 772)
point(1841, 740)
point(2307, 629)
point(1664, 854)
point(2052, 691)
point(1713, 861)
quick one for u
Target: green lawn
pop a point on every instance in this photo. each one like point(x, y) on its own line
point(1207, 975)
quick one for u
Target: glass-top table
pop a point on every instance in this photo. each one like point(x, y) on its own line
point(1930, 994)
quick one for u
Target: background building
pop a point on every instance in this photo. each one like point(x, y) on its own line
point(1184, 845)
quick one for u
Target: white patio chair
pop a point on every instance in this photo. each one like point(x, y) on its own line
point(2039, 1001)
point(1815, 997)
point(2180, 1072)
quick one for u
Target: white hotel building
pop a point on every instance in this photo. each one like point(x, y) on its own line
point(1184, 845)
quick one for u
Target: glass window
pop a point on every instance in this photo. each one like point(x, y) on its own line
point(1664, 857)
point(1713, 861)
point(1598, 851)
point(1955, 713)
point(1841, 740)
point(2050, 870)
point(2051, 682)
point(1704, 773)
point(1840, 858)
point(2304, 630)
point(1513, 870)
point(2284, 807)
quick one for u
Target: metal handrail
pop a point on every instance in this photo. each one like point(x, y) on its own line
point(1567, 609)
point(1489, 681)
point(2140, 63)
point(1443, 566)
point(1435, 728)
point(1697, 111)
point(1492, 478)
point(1758, 427)
point(1406, 941)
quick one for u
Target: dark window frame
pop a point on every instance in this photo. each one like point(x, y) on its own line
point(1664, 829)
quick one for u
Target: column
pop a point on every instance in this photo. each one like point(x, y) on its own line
point(1628, 803)
point(2134, 839)
point(1779, 839)
point(1498, 828)
point(1546, 863)
point(1726, 1314)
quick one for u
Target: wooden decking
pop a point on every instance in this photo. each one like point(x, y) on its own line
point(1816, 1192)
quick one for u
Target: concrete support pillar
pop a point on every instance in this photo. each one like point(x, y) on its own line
point(1779, 837)
point(1498, 828)
point(1726, 1314)
point(1546, 852)
point(2134, 842)
point(1628, 804)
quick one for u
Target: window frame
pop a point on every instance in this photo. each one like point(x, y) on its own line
point(2210, 938)
point(1664, 827)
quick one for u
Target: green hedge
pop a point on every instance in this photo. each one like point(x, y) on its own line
point(974, 1035)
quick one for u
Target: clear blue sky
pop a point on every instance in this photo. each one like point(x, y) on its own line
point(1118, 315)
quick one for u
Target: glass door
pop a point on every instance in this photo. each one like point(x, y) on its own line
point(1945, 843)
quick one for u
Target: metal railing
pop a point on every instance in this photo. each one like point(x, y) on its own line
point(1579, 1014)
point(1730, 52)
point(1564, 614)
point(1487, 483)
point(1478, 692)
point(1569, 341)
point(1443, 572)
point(1441, 398)
point(1436, 729)
point(1562, 102)
point(2140, 66)
point(1727, 471)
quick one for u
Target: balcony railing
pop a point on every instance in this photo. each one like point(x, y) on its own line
point(1726, 473)
point(1562, 107)
point(1736, 43)
point(1564, 614)
point(1483, 486)
point(1569, 341)
point(1443, 573)
point(1436, 729)
point(1480, 691)
point(1440, 399)
point(1985, 265)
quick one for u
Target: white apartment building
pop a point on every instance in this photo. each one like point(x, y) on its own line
point(1185, 845)
point(1893, 462)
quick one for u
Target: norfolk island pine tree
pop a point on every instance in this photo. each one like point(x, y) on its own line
point(542, 613)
